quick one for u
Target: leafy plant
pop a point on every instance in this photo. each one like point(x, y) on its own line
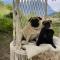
point(9, 6)
point(5, 24)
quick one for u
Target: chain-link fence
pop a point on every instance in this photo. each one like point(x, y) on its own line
point(30, 8)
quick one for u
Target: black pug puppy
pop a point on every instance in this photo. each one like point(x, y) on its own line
point(46, 34)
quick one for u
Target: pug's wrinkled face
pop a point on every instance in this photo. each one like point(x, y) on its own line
point(32, 29)
point(35, 21)
point(47, 23)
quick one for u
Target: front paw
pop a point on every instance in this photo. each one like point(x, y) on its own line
point(24, 42)
point(23, 48)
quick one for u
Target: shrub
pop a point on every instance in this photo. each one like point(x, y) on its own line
point(6, 24)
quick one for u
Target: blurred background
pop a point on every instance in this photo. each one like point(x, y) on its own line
point(6, 26)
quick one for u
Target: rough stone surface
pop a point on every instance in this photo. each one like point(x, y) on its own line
point(16, 54)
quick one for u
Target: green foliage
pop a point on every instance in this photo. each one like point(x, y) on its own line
point(1, 2)
point(3, 11)
point(5, 24)
point(56, 28)
point(9, 6)
point(5, 19)
point(56, 15)
point(10, 15)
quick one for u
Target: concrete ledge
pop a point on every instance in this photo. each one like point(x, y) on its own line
point(47, 54)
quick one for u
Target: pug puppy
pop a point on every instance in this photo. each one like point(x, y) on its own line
point(46, 34)
point(32, 29)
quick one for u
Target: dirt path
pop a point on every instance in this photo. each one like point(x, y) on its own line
point(5, 40)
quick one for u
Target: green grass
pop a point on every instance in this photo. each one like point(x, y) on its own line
point(56, 14)
point(56, 28)
point(3, 10)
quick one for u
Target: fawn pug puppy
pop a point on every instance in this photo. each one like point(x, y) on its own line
point(32, 29)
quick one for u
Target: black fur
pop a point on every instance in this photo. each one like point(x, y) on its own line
point(46, 35)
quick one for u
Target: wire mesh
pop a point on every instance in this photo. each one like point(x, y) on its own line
point(29, 8)
point(32, 6)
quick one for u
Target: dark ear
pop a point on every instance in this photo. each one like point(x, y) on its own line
point(39, 18)
point(50, 21)
point(30, 19)
point(43, 22)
